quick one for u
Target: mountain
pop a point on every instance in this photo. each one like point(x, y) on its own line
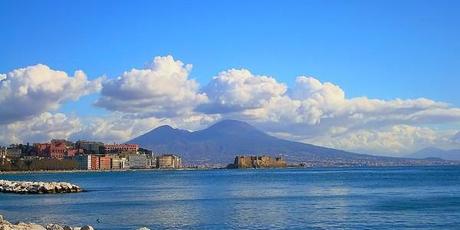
point(432, 152)
point(221, 142)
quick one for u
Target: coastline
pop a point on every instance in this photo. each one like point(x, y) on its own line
point(207, 169)
point(102, 171)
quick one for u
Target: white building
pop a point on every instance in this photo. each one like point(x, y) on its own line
point(138, 161)
point(3, 154)
point(119, 162)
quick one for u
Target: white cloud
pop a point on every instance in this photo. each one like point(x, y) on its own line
point(41, 128)
point(436, 115)
point(163, 93)
point(160, 90)
point(312, 111)
point(238, 89)
point(312, 103)
point(392, 140)
point(30, 91)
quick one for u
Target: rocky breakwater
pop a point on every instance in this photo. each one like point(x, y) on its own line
point(28, 187)
point(5, 225)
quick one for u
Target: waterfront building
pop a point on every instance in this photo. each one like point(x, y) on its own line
point(119, 162)
point(121, 148)
point(42, 149)
point(105, 163)
point(153, 160)
point(3, 155)
point(84, 162)
point(90, 147)
point(94, 162)
point(169, 161)
point(56, 149)
point(13, 151)
point(138, 161)
point(19, 150)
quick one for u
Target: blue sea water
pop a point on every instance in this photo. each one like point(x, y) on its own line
point(353, 198)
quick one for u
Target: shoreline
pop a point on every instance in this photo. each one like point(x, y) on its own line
point(208, 169)
point(102, 171)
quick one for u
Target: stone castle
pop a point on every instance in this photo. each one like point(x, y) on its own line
point(258, 162)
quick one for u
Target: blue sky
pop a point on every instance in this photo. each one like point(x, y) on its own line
point(382, 49)
point(378, 49)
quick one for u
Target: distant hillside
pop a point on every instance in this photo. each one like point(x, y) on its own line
point(433, 152)
point(222, 141)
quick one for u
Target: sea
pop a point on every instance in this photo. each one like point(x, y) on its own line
point(329, 198)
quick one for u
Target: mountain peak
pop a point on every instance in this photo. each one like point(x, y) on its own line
point(164, 127)
point(168, 130)
point(232, 124)
point(233, 127)
point(223, 140)
point(161, 133)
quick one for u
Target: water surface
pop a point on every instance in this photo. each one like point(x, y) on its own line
point(370, 198)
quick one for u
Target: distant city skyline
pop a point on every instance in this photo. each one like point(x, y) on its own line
point(376, 77)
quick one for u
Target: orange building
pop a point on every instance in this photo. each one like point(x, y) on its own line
point(57, 149)
point(105, 163)
point(95, 162)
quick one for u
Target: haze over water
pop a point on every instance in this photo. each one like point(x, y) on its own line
point(378, 198)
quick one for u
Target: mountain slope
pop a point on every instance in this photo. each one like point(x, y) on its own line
point(221, 142)
point(432, 152)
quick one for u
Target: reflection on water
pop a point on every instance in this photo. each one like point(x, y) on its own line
point(248, 199)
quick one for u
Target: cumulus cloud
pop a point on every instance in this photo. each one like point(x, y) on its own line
point(162, 93)
point(313, 111)
point(313, 103)
point(392, 140)
point(328, 101)
point(41, 128)
point(163, 89)
point(238, 89)
point(30, 91)
point(435, 115)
